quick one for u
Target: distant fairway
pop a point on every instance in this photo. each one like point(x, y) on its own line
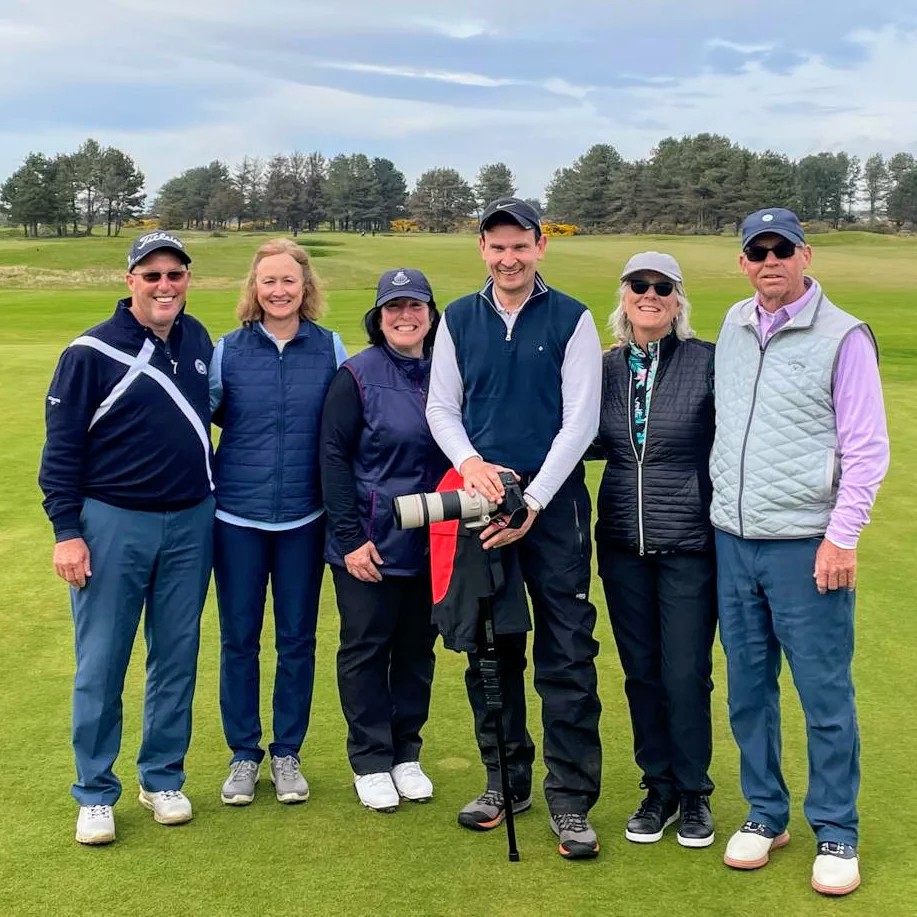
point(330, 856)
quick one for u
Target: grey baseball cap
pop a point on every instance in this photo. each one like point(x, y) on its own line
point(403, 283)
point(653, 261)
point(515, 209)
point(777, 220)
point(153, 242)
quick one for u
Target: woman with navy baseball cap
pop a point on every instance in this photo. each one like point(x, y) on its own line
point(375, 445)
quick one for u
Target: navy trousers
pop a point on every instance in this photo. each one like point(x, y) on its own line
point(384, 666)
point(663, 616)
point(555, 557)
point(158, 563)
point(769, 607)
point(244, 560)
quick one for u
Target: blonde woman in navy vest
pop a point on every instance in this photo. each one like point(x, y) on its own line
point(268, 381)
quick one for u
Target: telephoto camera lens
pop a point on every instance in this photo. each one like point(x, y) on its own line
point(416, 510)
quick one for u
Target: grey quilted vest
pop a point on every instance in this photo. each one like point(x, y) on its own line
point(774, 464)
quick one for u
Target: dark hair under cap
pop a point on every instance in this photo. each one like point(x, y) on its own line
point(372, 324)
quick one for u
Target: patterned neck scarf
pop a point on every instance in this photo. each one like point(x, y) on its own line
point(643, 364)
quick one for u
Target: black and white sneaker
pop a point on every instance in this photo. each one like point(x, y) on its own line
point(695, 827)
point(654, 815)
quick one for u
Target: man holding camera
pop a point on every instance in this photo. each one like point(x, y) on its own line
point(516, 384)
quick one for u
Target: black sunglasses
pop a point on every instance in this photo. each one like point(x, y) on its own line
point(154, 276)
point(662, 287)
point(781, 250)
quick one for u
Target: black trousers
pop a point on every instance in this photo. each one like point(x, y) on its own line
point(555, 558)
point(384, 667)
point(663, 616)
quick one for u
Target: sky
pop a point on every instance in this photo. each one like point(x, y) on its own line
point(178, 83)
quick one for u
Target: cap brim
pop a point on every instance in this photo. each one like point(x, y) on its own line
point(515, 217)
point(182, 254)
point(419, 295)
point(656, 270)
point(787, 234)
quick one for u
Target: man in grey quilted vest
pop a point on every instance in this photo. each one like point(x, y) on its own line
point(800, 450)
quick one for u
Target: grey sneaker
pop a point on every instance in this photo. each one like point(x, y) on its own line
point(289, 783)
point(239, 787)
point(577, 837)
point(488, 811)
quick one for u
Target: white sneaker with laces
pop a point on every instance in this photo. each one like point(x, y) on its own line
point(411, 782)
point(95, 825)
point(750, 847)
point(376, 791)
point(836, 870)
point(169, 807)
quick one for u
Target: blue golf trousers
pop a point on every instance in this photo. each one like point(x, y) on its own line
point(158, 563)
point(244, 560)
point(768, 605)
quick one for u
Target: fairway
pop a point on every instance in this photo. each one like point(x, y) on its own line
point(330, 856)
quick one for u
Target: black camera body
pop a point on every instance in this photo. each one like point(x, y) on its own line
point(513, 506)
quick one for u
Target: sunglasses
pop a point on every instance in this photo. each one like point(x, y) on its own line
point(662, 287)
point(155, 276)
point(781, 250)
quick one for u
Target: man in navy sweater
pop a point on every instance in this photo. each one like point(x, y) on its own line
point(126, 476)
point(516, 383)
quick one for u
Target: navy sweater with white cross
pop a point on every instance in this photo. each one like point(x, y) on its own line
point(128, 416)
point(512, 407)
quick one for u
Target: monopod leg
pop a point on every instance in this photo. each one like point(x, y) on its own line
point(493, 695)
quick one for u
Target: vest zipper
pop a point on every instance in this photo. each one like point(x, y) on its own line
point(638, 456)
point(751, 414)
point(278, 482)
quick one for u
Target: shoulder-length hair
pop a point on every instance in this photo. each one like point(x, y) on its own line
point(623, 330)
point(313, 300)
point(373, 326)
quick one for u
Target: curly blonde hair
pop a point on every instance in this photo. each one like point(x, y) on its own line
point(313, 301)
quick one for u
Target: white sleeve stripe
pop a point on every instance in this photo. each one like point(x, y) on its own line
point(159, 377)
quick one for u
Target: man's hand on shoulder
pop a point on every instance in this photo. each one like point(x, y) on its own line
point(483, 478)
point(835, 568)
point(71, 561)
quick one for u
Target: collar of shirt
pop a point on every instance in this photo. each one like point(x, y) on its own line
point(770, 322)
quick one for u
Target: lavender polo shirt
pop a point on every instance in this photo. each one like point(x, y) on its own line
point(862, 433)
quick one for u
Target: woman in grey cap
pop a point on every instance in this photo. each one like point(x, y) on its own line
point(654, 542)
point(375, 445)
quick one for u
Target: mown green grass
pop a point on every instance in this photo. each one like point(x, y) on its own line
point(330, 856)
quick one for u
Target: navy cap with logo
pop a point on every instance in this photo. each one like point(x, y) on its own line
point(776, 220)
point(403, 283)
point(153, 242)
point(511, 209)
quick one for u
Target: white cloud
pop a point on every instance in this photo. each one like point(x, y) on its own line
point(461, 29)
point(739, 48)
point(534, 113)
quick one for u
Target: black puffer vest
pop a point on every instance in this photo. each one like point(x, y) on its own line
point(662, 502)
